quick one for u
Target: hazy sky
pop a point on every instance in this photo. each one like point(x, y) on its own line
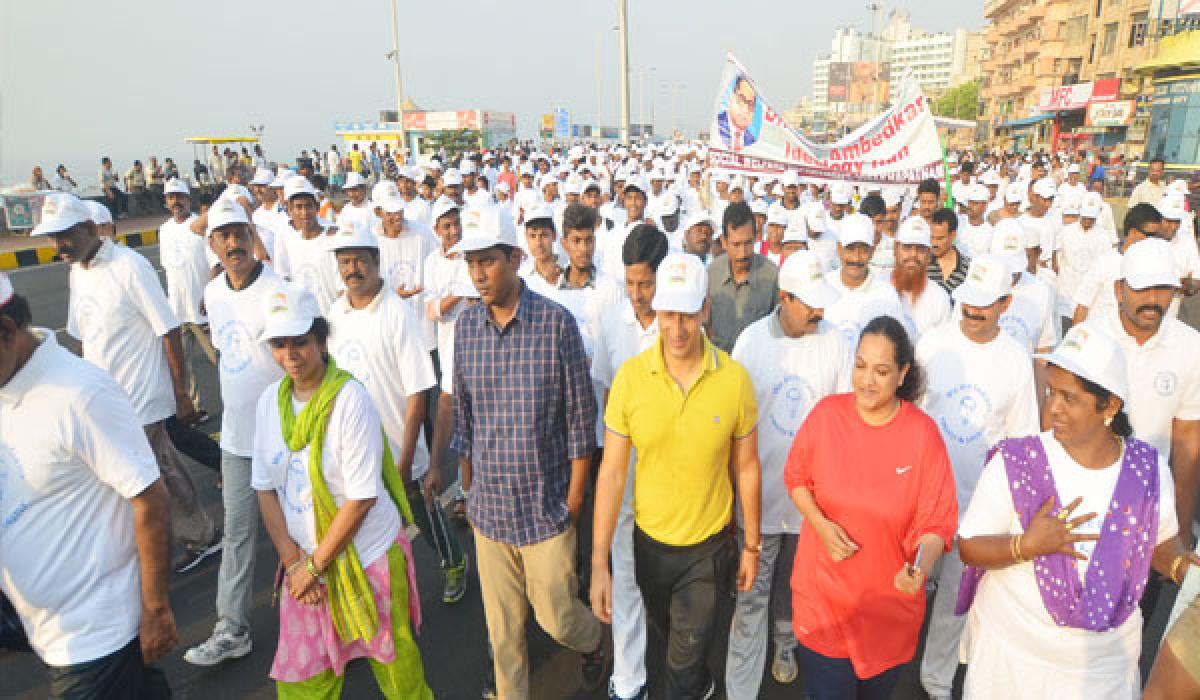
point(131, 78)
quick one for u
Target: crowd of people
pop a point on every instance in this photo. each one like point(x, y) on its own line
point(649, 386)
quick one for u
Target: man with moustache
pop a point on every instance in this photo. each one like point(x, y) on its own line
point(926, 305)
point(864, 292)
point(237, 306)
point(743, 285)
point(975, 405)
point(121, 317)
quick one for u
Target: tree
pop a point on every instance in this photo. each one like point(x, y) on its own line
point(961, 102)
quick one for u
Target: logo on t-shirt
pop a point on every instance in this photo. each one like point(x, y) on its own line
point(791, 399)
point(12, 482)
point(296, 494)
point(234, 341)
point(965, 413)
point(88, 318)
point(1165, 383)
point(1017, 328)
point(351, 355)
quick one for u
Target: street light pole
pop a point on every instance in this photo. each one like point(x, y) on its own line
point(623, 24)
point(399, 89)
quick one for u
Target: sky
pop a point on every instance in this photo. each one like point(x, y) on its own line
point(133, 78)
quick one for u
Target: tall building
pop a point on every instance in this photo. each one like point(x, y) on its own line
point(1064, 74)
point(840, 100)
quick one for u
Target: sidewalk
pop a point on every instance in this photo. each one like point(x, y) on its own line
point(21, 250)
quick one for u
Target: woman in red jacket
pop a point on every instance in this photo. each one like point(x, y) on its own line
point(870, 474)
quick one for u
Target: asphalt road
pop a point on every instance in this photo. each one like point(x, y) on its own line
point(452, 639)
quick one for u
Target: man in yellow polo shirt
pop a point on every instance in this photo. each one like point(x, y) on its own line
point(688, 411)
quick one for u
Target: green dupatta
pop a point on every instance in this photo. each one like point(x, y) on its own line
point(351, 604)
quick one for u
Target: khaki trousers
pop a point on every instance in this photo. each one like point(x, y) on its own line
point(197, 347)
point(190, 524)
point(512, 579)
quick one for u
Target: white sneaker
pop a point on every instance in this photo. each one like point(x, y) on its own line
point(220, 646)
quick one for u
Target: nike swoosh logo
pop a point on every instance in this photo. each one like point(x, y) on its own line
point(902, 470)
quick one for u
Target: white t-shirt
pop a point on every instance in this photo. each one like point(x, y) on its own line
point(856, 307)
point(1046, 228)
point(1008, 626)
point(1164, 377)
point(118, 311)
point(977, 393)
point(930, 310)
point(402, 264)
point(351, 462)
point(1096, 291)
point(1078, 252)
point(479, 199)
point(72, 454)
point(268, 223)
point(883, 259)
point(351, 215)
point(246, 366)
point(418, 211)
point(1031, 318)
point(382, 346)
point(311, 264)
point(973, 240)
point(609, 244)
point(442, 276)
point(184, 260)
point(790, 376)
point(621, 336)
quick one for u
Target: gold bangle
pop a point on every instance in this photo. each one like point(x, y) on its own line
point(1175, 569)
point(1017, 549)
point(753, 548)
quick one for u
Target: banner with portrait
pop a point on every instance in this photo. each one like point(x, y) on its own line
point(747, 134)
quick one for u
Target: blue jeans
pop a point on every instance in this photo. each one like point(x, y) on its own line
point(834, 679)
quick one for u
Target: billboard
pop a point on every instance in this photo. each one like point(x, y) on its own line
point(1118, 113)
point(562, 123)
point(900, 145)
point(862, 85)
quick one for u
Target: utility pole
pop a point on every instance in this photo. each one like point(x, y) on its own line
point(642, 98)
point(599, 87)
point(623, 25)
point(875, 8)
point(399, 89)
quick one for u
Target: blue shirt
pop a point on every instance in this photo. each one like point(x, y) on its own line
point(524, 408)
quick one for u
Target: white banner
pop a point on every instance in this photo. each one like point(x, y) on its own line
point(898, 146)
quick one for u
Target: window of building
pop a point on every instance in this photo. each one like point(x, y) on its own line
point(1099, 7)
point(1137, 29)
point(1110, 39)
point(1076, 29)
point(1092, 50)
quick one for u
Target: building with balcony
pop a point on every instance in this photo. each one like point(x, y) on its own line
point(1042, 63)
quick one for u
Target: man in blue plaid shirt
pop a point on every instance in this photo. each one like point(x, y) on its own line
point(524, 426)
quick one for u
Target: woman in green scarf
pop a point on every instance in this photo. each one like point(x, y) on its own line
point(328, 497)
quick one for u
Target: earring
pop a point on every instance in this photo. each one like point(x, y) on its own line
point(1108, 421)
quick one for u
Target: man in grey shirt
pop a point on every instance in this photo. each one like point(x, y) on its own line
point(743, 285)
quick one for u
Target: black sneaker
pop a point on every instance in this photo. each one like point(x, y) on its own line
point(595, 667)
point(192, 557)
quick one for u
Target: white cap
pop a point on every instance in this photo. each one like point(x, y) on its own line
point(777, 216)
point(1072, 168)
point(790, 178)
point(547, 179)
point(1071, 204)
point(354, 179)
point(840, 193)
point(700, 217)
point(1178, 186)
point(1172, 207)
point(989, 277)
point(1045, 188)
point(665, 204)
point(298, 185)
point(803, 276)
point(1015, 192)
point(759, 206)
point(485, 227)
point(990, 179)
point(573, 185)
point(855, 228)
point(225, 211)
point(681, 284)
point(176, 186)
point(451, 177)
point(357, 235)
point(100, 213)
point(262, 176)
point(978, 193)
point(1148, 263)
point(441, 206)
point(1008, 244)
point(638, 183)
point(1088, 353)
point(1089, 209)
point(525, 170)
point(280, 180)
point(502, 187)
point(913, 231)
point(540, 210)
point(466, 166)
point(6, 289)
point(383, 190)
point(60, 212)
point(796, 231)
point(290, 312)
point(391, 204)
point(892, 196)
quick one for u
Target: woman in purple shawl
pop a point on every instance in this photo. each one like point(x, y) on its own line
point(1059, 539)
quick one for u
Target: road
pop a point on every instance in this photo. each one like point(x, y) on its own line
point(452, 639)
